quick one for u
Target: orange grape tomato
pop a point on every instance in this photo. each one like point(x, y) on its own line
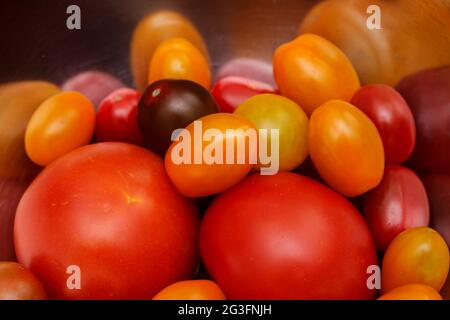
point(191, 290)
point(61, 124)
point(204, 171)
point(412, 292)
point(311, 71)
point(150, 32)
point(271, 111)
point(418, 255)
point(178, 58)
point(346, 148)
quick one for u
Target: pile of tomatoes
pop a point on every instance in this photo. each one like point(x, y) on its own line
point(362, 186)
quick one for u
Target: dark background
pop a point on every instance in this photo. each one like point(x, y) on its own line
point(36, 44)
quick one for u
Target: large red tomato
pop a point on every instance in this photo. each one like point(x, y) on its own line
point(110, 210)
point(286, 237)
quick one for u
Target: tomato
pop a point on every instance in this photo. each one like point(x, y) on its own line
point(247, 68)
point(209, 176)
point(398, 203)
point(428, 95)
point(110, 210)
point(95, 85)
point(270, 111)
point(117, 117)
point(177, 58)
point(168, 105)
point(61, 124)
point(150, 32)
point(412, 292)
point(438, 190)
point(418, 255)
point(191, 290)
point(286, 237)
point(18, 101)
point(392, 117)
point(311, 71)
point(231, 91)
point(18, 283)
point(413, 35)
point(346, 148)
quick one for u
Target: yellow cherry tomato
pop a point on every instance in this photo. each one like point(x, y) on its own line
point(198, 164)
point(418, 255)
point(178, 58)
point(346, 148)
point(61, 124)
point(270, 111)
point(412, 292)
point(311, 71)
point(191, 290)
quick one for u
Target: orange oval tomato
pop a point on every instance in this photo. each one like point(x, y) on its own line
point(191, 290)
point(198, 165)
point(311, 71)
point(150, 32)
point(418, 255)
point(346, 148)
point(412, 292)
point(178, 58)
point(271, 111)
point(61, 124)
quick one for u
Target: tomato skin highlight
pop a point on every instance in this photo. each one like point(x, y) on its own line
point(393, 118)
point(346, 148)
point(117, 117)
point(232, 91)
point(418, 255)
point(311, 71)
point(59, 125)
point(110, 209)
point(18, 283)
point(191, 290)
point(412, 292)
point(398, 203)
point(286, 237)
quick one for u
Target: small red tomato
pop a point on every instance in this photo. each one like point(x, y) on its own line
point(248, 68)
point(117, 117)
point(393, 118)
point(230, 92)
point(398, 203)
point(18, 283)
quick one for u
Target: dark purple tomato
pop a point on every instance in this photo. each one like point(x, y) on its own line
point(167, 105)
point(117, 117)
point(428, 95)
point(392, 117)
point(398, 203)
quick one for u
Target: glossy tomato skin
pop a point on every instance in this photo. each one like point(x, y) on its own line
point(117, 117)
point(286, 237)
point(270, 111)
point(398, 203)
point(177, 58)
point(248, 68)
point(168, 105)
point(428, 95)
point(418, 255)
point(231, 91)
point(110, 209)
point(393, 118)
point(18, 283)
point(346, 148)
point(191, 290)
point(311, 71)
point(204, 179)
point(95, 85)
point(412, 292)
